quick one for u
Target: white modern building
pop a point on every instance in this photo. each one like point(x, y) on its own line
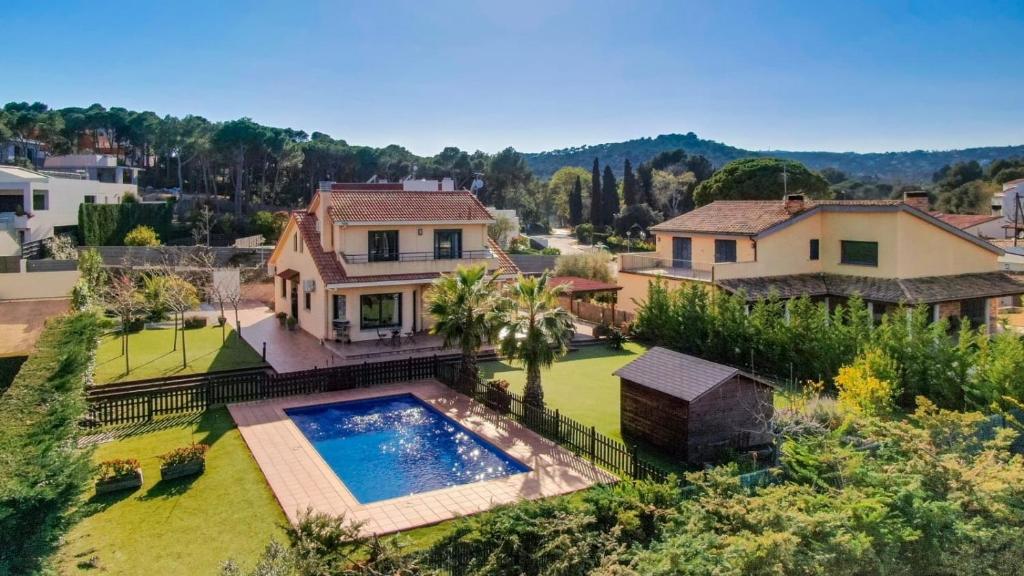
point(100, 167)
point(34, 205)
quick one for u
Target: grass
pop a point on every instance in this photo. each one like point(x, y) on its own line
point(580, 385)
point(151, 354)
point(185, 526)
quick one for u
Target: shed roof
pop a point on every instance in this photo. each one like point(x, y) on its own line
point(676, 374)
point(577, 285)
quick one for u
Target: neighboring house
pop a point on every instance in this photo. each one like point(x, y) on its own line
point(31, 151)
point(694, 408)
point(100, 167)
point(36, 205)
point(889, 252)
point(357, 263)
point(981, 225)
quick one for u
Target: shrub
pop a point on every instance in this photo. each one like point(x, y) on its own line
point(81, 295)
point(142, 236)
point(107, 224)
point(184, 455)
point(550, 251)
point(110, 470)
point(616, 340)
point(867, 386)
point(43, 470)
point(192, 322)
point(61, 247)
point(595, 265)
point(268, 224)
point(585, 233)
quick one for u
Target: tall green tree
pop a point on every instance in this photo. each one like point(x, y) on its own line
point(630, 191)
point(760, 179)
point(596, 215)
point(463, 307)
point(535, 330)
point(609, 197)
point(239, 138)
point(576, 203)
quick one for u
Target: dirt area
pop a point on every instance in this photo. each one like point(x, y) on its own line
point(22, 321)
point(262, 292)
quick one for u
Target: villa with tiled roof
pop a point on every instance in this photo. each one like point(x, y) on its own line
point(889, 252)
point(358, 261)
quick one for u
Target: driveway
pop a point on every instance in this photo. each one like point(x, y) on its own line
point(560, 238)
point(22, 321)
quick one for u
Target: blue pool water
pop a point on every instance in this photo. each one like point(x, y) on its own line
point(394, 446)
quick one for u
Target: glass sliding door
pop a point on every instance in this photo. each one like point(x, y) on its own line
point(380, 311)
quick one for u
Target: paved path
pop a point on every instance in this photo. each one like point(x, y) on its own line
point(287, 350)
point(560, 238)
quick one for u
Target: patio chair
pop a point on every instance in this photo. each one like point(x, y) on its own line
point(382, 337)
point(411, 337)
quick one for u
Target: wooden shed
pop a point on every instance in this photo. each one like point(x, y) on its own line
point(692, 407)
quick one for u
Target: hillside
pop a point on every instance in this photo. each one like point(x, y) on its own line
point(904, 167)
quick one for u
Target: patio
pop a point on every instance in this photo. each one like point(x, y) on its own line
point(300, 478)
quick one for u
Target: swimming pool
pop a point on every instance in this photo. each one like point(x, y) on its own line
point(394, 446)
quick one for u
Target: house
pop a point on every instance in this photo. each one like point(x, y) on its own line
point(694, 408)
point(31, 151)
point(889, 252)
point(36, 205)
point(99, 167)
point(981, 225)
point(357, 262)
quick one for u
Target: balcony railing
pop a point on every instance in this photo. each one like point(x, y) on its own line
point(416, 256)
point(652, 263)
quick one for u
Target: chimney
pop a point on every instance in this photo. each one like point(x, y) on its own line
point(794, 203)
point(323, 220)
point(447, 184)
point(916, 199)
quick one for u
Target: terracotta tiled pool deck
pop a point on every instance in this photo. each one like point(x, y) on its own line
point(300, 478)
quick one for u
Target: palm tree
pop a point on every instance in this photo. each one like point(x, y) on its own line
point(463, 307)
point(535, 330)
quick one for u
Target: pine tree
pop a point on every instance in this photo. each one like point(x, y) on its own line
point(630, 194)
point(596, 215)
point(576, 203)
point(609, 197)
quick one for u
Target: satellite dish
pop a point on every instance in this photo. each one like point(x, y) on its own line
point(477, 185)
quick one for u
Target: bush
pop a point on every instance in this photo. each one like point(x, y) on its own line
point(142, 236)
point(184, 455)
point(110, 470)
point(192, 322)
point(585, 233)
point(866, 386)
point(594, 265)
point(43, 470)
point(638, 217)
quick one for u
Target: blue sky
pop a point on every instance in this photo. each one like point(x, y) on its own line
point(540, 75)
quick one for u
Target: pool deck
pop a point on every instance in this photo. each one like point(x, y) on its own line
point(300, 478)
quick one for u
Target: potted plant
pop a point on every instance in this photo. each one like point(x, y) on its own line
point(292, 322)
point(282, 318)
point(117, 475)
point(184, 461)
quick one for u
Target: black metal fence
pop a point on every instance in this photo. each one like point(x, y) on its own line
point(583, 440)
point(141, 402)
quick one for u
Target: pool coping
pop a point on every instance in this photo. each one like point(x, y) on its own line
point(300, 478)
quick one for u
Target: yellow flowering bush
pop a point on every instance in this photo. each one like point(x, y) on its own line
point(867, 386)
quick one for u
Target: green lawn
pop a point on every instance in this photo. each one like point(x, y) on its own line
point(151, 354)
point(580, 385)
point(186, 526)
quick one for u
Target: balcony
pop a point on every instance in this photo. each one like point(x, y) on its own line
point(652, 263)
point(413, 262)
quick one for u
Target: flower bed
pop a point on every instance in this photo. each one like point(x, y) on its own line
point(117, 475)
point(185, 461)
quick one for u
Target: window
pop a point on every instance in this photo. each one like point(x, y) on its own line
point(39, 200)
point(308, 299)
point(725, 250)
point(295, 242)
point(447, 244)
point(859, 253)
point(90, 199)
point(338, 306)
point(284, 288)
point(383, 246)
point(815, 249)
point(380, 311)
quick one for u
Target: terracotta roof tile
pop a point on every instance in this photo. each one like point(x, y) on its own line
point(505, 264)
point(406, 206)
point(963, 221)
point(748, 216)
point(331, 271)
point(575, 284)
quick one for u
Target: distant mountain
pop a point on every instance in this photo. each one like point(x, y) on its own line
point(896, 167)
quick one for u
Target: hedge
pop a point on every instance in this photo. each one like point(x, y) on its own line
point(43, 471)
point(9, 366)
point(107, 224)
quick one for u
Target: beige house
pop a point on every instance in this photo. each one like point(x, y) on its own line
point(356, 264)
point(888, 252)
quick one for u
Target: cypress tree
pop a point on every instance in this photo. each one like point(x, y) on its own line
point(609, 197)
point(630, 194)
point(576, 203)
point(596, 215)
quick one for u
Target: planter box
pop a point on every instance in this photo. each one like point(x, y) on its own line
point(182, 470)
point(132, 482)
